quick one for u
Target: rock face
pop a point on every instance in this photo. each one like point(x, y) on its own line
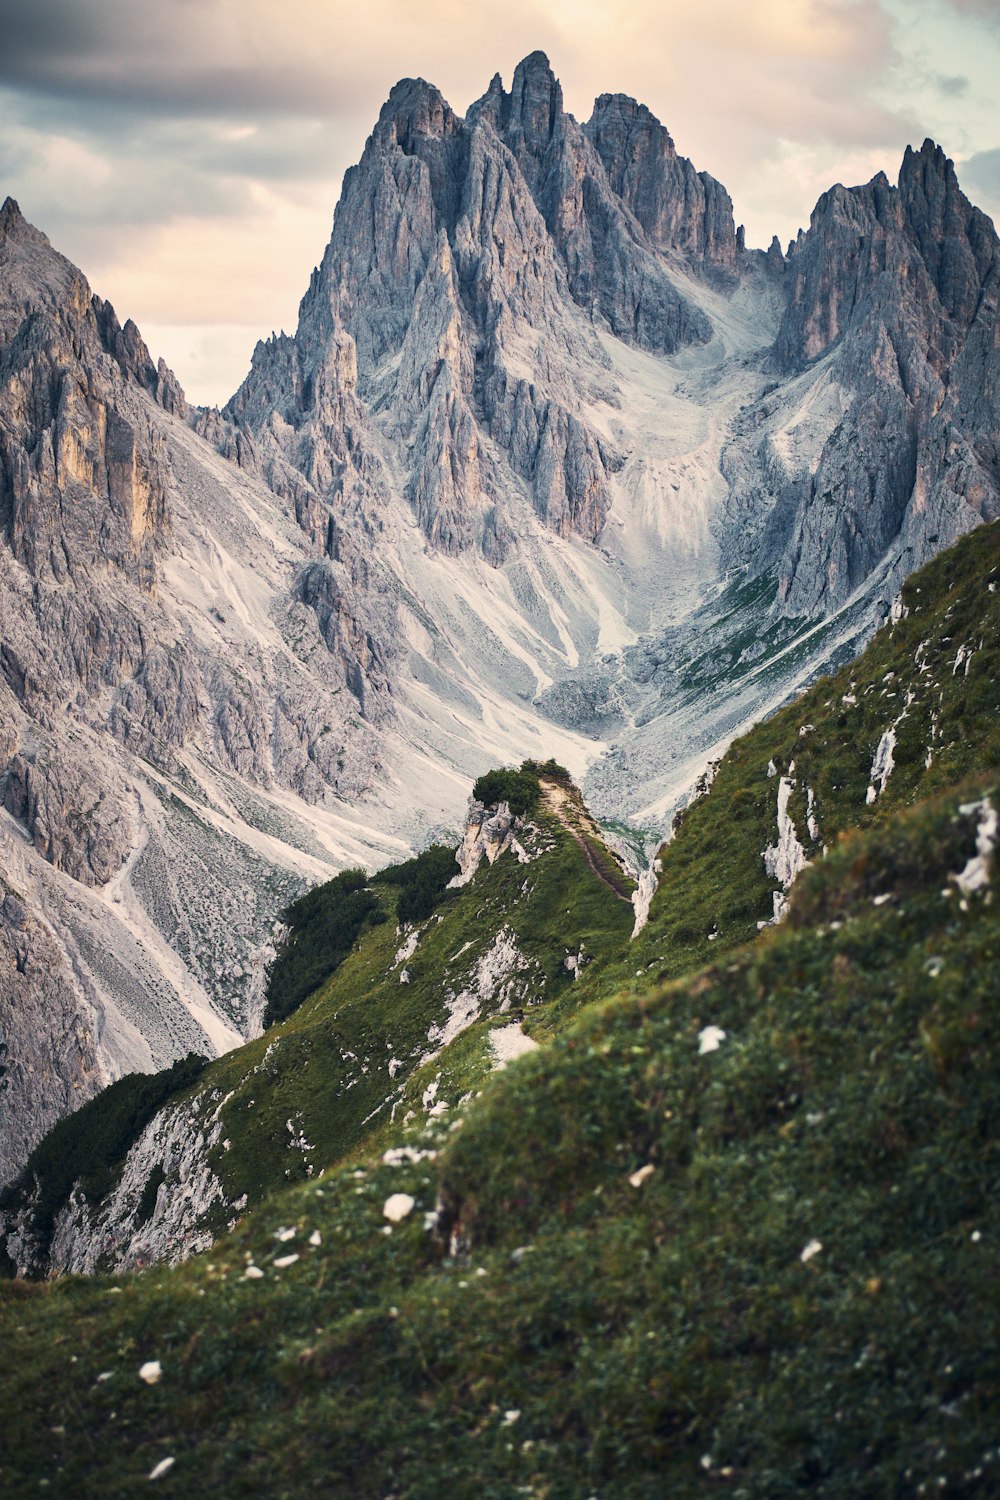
point(891, 301)
point(147, 663)
point(446, 301)
point(48, 1062)
point(681, 210)
point(81, 467)
point(552, 465)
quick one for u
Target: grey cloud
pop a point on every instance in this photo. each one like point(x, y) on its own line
point(980, 176)
point(980, 10)
point(954, 87)
point(169, 57)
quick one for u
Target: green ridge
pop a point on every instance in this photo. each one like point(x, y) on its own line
point(666, 1338)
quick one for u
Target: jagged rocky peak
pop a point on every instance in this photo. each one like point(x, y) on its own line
point(891, 310)
point(535, 110)
point(414, 109)
point(457, 246)
point(83, 483)
point(957, 242)
point(937, 249)
point(679, 208)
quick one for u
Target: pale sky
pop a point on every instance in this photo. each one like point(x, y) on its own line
point(187, 154)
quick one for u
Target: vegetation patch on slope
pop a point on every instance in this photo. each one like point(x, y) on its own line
point(734, 1238)
point(86, 1147)
point(322, 928)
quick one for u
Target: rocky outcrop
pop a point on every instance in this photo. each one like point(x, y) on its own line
point(165, 1190)
point(489, 832)
point(893, 292)
point(680, 210)
point(48, 1049)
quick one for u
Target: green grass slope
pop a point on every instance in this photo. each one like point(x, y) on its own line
point(765, 1269)
point(405, 1012)
point(932, 676)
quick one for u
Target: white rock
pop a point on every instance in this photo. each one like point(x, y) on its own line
point(151, 1371)
point(710, 1039)
point(397, 1206)
point(787, 857)
point(976, 874)
point(253, 1273)
point(163, 1467)
point(813, 1248)
point(638, 1178)
point(283, 1261)
point(509, 1042)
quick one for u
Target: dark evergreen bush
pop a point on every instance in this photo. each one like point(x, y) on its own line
point(324, 925)
point(423, 882)
point(519, 789)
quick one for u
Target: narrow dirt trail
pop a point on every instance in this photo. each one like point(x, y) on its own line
point(558, 801)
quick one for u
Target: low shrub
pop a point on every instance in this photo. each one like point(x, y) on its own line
point(423, 882)
point(324, 925)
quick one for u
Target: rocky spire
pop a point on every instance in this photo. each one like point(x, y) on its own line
point(680, 209)
point(535, 110)
point(957, 242)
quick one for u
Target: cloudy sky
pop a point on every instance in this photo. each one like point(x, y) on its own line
point(188, 153)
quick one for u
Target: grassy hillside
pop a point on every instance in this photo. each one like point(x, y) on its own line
point(765, 1269)
point(405, 1011)
point(933, 676)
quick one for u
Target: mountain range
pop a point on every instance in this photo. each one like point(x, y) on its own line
point(553, 466)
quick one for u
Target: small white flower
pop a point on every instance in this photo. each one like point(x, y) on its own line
point(510, 1417)
point(285, 1260)
point(253, 1273)
point(151, 1371)
point(813, 1248)
point(638, 1178)
point(163, 1467)
point(104, 1375)
point(397, 1206)
point(710, 1039)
